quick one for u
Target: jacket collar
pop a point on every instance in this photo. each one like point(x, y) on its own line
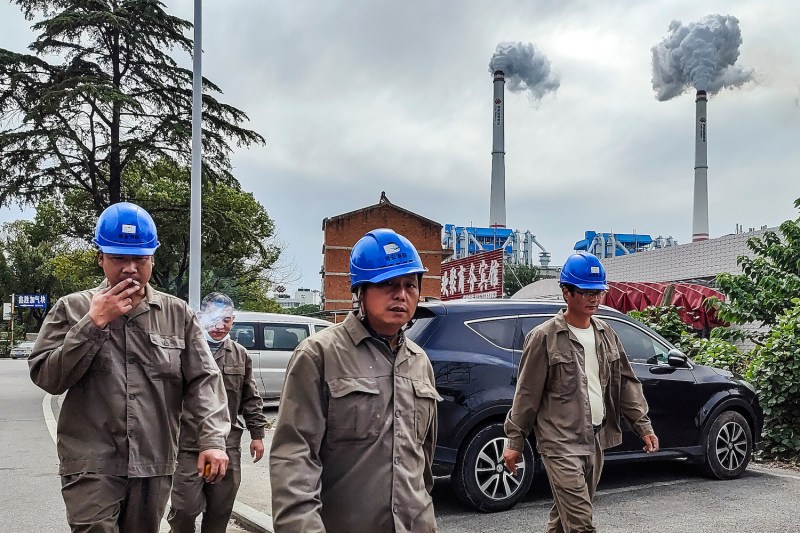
point(561, 322)
point(358, 333)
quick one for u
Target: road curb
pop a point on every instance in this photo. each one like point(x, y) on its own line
point(252, 520)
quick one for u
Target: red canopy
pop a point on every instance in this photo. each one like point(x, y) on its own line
point(627, 296)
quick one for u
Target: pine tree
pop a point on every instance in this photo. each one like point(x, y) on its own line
point(100, 91)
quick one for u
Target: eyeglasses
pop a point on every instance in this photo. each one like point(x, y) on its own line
point(590, 295)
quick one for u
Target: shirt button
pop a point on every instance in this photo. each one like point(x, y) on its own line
point(129, 324)
point(131, 360)
point(399, 434)
point(131, 396)
point(397, 460)
point(397, 413)
point(130, 433)
point(394, 509)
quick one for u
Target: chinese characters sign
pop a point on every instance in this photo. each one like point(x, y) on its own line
point(476, 276)
point(32, 300)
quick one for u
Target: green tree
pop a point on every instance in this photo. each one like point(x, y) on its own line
point(40, 260)
point(100, 92)
point(517, 276)
point(305, 310)
point(769, 280)
point(238, 249)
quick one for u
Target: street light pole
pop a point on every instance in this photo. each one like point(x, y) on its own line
point(196, 184)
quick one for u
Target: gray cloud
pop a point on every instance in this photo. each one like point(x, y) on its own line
point(700, 55)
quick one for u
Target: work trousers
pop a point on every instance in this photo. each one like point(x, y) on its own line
point(191, 495)
point(573, 480)
point(98, 503)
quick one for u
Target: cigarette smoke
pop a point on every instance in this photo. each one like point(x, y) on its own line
point(700, 55)
point(525, 67)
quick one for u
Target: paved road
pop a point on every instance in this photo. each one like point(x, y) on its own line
point(664, 497)
point(30, 495)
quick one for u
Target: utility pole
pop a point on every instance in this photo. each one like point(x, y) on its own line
point(13, 297)
point(195, 223)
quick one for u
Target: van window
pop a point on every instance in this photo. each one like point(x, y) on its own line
point(244, 334)
point(283, 336)
point(319, 327)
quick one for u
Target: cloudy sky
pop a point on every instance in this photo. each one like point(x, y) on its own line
point(361, 96)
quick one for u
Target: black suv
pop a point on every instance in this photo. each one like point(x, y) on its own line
point(700, 413)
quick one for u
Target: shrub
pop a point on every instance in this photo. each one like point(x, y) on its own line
point(664, 320)
point(775, 372)
point(715, 352)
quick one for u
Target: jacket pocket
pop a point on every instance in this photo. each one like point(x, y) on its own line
point(425, 398)
point(608, 355)
point(165, 356)
point(563, 373)
point(353, 410)
point(233, 376)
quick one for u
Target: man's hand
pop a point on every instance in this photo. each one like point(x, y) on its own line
point(650, 443)
point(256, 449)
point(212, 465)
point(112, 302)
point(511, 458)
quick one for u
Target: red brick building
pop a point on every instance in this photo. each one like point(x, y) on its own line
point(341, 232)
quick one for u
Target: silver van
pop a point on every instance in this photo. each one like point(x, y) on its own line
point(270, 339)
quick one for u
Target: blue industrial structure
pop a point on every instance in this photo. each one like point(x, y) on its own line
point(517, 245)
point(612, 244)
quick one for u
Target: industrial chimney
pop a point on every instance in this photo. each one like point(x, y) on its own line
point(497, 201)
point(700, 213)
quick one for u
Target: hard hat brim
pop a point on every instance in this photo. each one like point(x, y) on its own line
point(127, 250)
point(597, 286)
point(394, 273)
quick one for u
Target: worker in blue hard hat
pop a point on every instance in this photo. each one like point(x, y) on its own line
point(356, 429)
point(129, 359)
point(191, 495)
point(574, 385)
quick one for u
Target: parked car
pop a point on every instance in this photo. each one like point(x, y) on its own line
point(270, 339)
point(22, 350)
point(699, 413)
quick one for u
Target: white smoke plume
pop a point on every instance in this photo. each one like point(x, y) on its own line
point(526, 69)
point(700, 55)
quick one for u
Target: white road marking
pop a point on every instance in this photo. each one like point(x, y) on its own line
point(49, 418)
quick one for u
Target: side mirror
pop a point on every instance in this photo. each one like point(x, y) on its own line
point(677, 359)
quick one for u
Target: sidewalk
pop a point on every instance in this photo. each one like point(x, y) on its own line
point(253, 507)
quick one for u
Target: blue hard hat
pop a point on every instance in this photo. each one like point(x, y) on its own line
point(125, 229)
point(382, 254)
point(584, 271)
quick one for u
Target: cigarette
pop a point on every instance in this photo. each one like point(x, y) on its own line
point(207, 470)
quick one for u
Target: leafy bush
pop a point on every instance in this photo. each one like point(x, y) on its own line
point(775, 372)
point(715, 352)
point(664, 320)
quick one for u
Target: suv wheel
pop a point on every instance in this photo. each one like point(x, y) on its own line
point(728, 445)
point(480, 478)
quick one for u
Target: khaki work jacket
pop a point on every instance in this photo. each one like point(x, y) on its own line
point(243, 399)
point(355, 436)
point(125, 384)
point(552, 397)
